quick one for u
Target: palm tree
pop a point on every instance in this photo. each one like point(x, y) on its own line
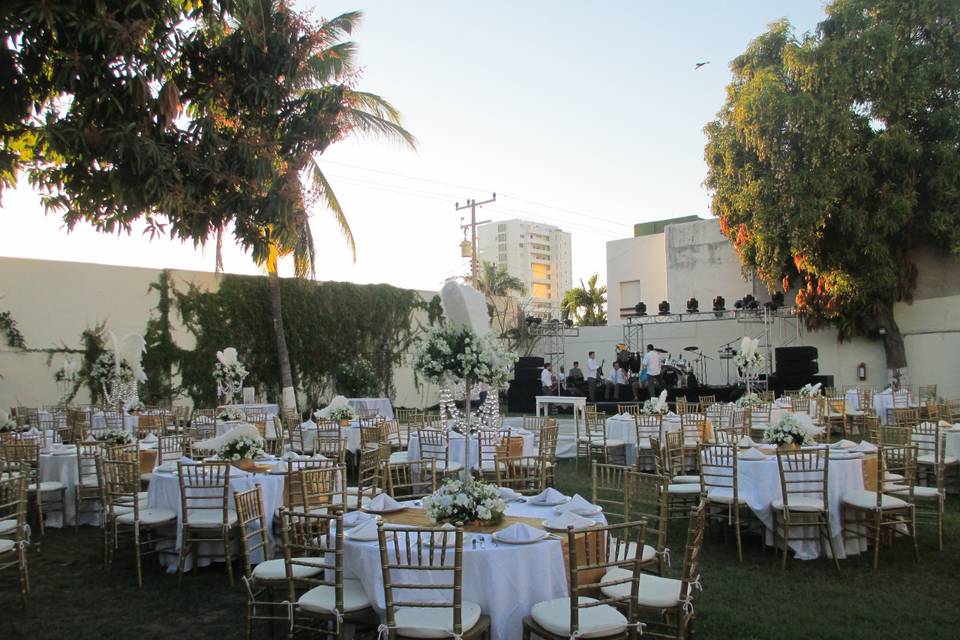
point(494, 280)
point(308, 67)
point(591, 299)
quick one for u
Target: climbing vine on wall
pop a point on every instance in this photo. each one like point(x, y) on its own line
point(12, 335)
point(327, 324)
point(162, 358)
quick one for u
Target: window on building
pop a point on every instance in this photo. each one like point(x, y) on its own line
point(501, 227)
point(539, 290)
point(502, 258)
point(502, 247)
point(501, 237)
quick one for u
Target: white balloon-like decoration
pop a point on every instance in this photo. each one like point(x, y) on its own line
point(465, 307)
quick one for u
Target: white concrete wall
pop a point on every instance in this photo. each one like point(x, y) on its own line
point(702, 264)
point(636, 270)
point(53, 302)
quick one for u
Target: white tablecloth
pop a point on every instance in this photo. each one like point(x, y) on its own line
point(63, 468)
point(379, 406)
point(269, 409)
point(164, 493)
point(624, 427)
point(458, 445)
point(351, 434)
point(882, 401)
point(505, 580)
point(759, 485)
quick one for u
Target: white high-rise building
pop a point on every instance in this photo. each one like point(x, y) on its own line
point(538, 254)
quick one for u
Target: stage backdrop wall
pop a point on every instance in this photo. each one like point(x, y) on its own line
point(53, 302)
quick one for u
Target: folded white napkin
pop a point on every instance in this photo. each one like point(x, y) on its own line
point(865, 447)
point(752, 454)
point(448, 539)
point(365, 531)
point(746, 441)
point(843, 444)
point(944, 423)
point(509, 495)
point(186, 460)
point(150, 437)
point(383, 502)
point(280, 467)
point(291, 455)
point(30, 433)
point(578, 505)
point(170, 465)
point(356, 518)
point(549, 497)
point(519, 533)
point(569, 519)
point(90, 438)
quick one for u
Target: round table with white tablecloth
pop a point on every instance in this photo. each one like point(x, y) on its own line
point(61, 466)
point(164, 493)
point(624, 427)
point(372, 407)
point(882, 401)
point(759, 485)
point(351, 434)
point(505, 580)
point(457, 447)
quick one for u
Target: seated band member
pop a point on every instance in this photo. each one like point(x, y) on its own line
point(575, 375)
point(616, 379)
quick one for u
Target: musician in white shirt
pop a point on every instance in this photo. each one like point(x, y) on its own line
point(651, 362)
point(592, 369)
point(546, 380)
point(615, 379)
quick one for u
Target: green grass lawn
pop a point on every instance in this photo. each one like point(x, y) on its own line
point(73, 597)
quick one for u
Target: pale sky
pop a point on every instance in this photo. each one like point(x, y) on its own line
point(586, 115)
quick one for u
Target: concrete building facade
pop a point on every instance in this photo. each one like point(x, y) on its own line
point(538, 254)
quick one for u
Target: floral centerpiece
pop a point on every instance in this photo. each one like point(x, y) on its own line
point(229, 373)
point(809, 390)
point(339, 409)
point(749, 400)
point(243, 447)
point(118, 370)
point(112, 437)
point(135, 408)
point(749, 360)
point(231, 414)
point(656, 406)
point(7, 424)
point(792, 429)
point(458, 501)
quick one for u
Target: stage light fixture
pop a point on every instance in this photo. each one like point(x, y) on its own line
point(719, 304)
point(568, 322)
point(777, 298)
point(693, 305)
point(533, 321)
point(664, 308)
point(738, 304)
point(641, 309)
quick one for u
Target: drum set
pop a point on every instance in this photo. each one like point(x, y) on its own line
point(688, 369)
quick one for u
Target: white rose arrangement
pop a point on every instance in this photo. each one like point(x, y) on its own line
point(749, 356)
point(792, 428)
point(338, 409)
point(231, 414)
point(749, 400)
point(456, 501)
point(112, 437)
point(242, 448)
point(810, 390)
point(228, 371)
point(656, 406)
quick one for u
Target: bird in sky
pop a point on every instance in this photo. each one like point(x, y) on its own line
point(700, 64)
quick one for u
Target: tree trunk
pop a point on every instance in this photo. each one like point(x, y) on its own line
point(893, 346)
point(283, 356)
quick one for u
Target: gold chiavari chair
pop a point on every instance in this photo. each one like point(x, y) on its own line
point(669, 602)
point(13, 525)
point(435, 445)
point(391, 434)
point(759, 418)
point(411, 479)
point(594, 444)
point(741, 421)
point(601, 557)
point(804, 488)
point(78, 421)
point(181, 419)
point(127, 515)
point(927, 392)
point(928, 499)
point(832, 414)
point(313, 560)
point(950, 411)
point(488, 447)
point(89, 487)
point(203, 424)
point(369, 474)
point(647, 426)
point(866, 514)
point(432, 421)
point(322, 488)
point(547, 449)
point(533, 423)
point(370, 436)
point(297, 439)
point(719, 482)
point(151, 424)
point(865, 400)
point(263, 579)
point(871, 429)
point(610, 490)
point(693, 425)
point(706, 401)
point(45, 495)
point(677, 453)
point(524, 474)
point(172, 448)
point(682, 405)
point(647, 499)
point(330, 444)
point(904, 416)
point(205, 508)
point(767, 395)
point(895, 434)
point(679, 496)
point(800, 404)
point(632, 408)
point(418, 561)
point(259, 420)
point(293, 488)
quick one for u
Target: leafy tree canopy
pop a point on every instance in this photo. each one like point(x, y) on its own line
point(586, 303)
point(836, 152)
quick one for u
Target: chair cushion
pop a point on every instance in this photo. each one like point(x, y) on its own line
point(148, 516)
point(211, 518)
point(723, 495)
point(145, 477)
point(868, 500)
point(928, 458)
point(918, 492)
point(7, 545)
point(277, 570)
point(398, 456)
point(7, 526)
point(685, 480)
point(434, 622)
point(47, 485)
point(630, 551)
point(892, 476)
point(322, 599)
point(654, 591)
point(554, 616)
point(799, 503)
point(442, 465)
point(684, 489)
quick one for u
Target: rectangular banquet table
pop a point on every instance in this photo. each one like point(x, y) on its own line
point(505, 580)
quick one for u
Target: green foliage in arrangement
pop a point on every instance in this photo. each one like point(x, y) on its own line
point(162, 357)
point(326, 323)
point(836, 153)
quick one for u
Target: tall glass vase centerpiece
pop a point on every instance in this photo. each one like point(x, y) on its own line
point(462, 353)
point(119, 370)
point(229, 373)
point(749, 361)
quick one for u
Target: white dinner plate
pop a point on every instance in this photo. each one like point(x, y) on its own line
point(505, 541)
point(549, 528)
point(531, 502)
point(585, 514)
point(395, 510)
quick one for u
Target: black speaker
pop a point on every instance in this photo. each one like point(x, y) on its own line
point(796, 361)
point(526, 374)
point(521, 398)
point(529, 361)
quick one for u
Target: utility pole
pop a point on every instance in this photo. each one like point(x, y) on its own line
point(472, 205)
